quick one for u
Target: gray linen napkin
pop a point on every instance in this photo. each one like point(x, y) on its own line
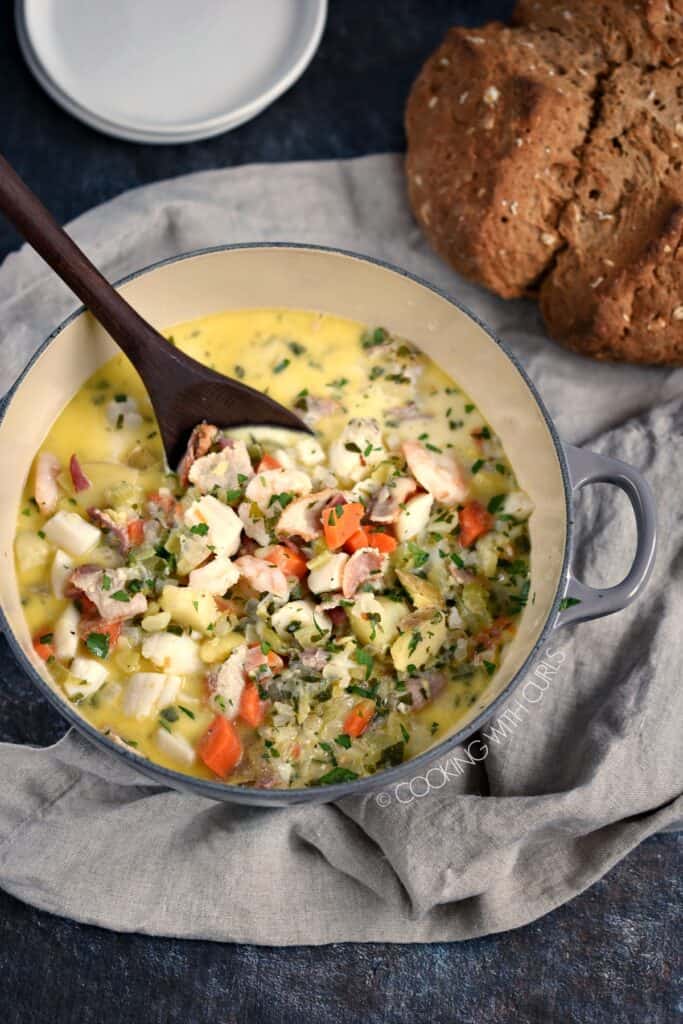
point(577, 773)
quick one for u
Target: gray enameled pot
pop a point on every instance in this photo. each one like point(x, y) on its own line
point(332, 281)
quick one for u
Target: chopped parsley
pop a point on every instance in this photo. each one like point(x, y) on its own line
point(98, 644)
point(496, 503)
point(337, 774)
point(364, 658)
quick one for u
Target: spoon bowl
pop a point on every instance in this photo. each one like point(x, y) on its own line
point(183, 391)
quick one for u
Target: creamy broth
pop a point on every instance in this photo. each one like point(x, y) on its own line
point(334, 372)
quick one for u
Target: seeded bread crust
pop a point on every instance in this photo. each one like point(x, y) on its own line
point(647, 33)
point(616, 290)
point(546, 159)
point(493, 123)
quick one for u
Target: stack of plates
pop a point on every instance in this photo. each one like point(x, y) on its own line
point(165, 71)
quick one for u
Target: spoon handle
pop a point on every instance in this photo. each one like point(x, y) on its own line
point(37, 225)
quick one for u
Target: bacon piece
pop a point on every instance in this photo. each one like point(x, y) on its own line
point(424, 689)
point(119, 531)
point(78, 477)
point(201, 439)
point(361, 566)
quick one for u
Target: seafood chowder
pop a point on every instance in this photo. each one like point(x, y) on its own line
point(283, 610)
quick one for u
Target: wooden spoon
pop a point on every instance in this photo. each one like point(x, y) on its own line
point(183, 392)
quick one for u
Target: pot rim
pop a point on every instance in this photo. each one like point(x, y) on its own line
point(223, 791)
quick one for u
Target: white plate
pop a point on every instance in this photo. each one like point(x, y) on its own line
point(165, 71)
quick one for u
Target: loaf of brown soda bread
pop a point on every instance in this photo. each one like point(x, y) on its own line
point(545, 159)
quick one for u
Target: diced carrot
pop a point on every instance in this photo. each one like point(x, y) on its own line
point(252, 708)
point(268, 462)
point(296, 751)
point(382, 541)
point(43, 646)
point(341, 522)
point(474, 522)
point(78, 477)
point(112, 630)
point(357, 540)
point(220, 748)
point(290, 560)
point(135, 530)
point(359, 717)
point(87, 607)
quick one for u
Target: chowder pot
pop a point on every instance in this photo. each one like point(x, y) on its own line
point(367, 290)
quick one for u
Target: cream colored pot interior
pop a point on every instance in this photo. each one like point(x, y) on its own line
point(328, 282)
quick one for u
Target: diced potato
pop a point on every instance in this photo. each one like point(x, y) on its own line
point(71, 532)
point(424, 633)
point(303, 622)
point(219, 647)
point(413, 517)
point(325, 572)
point(175, 654)
point(141, 457)
point(65, 634)
point(475, 606)
point(32, 551)
point(374, 620)
point(156, 623)
point(422, 593)
point(175, 746)
point(62, 567)
point(487, 552)
point(192, 552)
point(189, 607)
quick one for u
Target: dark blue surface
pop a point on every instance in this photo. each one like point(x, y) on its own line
point(612, 955)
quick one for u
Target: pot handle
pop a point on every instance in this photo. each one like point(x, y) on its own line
point(580, 601)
